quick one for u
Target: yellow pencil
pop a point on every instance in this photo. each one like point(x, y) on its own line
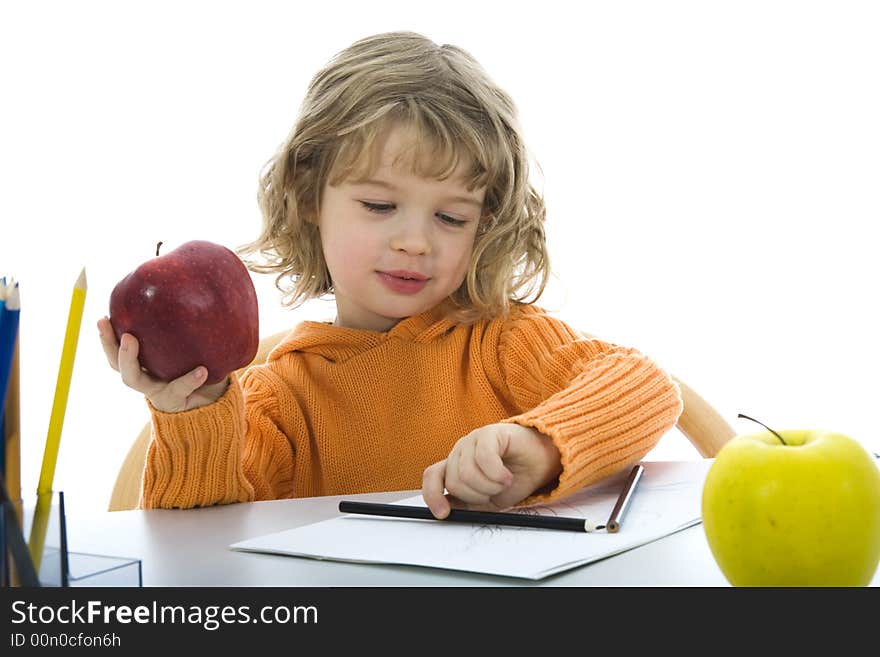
point(56, 420)
point(62, 386)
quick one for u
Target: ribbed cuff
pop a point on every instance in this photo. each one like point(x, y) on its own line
point(610, 416)
point(194, 457)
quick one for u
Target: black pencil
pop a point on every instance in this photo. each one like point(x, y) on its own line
point(474, 517)
point(620, 507)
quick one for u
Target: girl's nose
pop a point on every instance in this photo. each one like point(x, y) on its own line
point(411, 235)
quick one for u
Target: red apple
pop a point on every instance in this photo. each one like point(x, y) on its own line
point(195, 305)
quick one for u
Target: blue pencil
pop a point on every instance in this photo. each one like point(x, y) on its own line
point(3, 393)
point(9, 314)
point(2, 298)
point(2, 301)
point(7, 350)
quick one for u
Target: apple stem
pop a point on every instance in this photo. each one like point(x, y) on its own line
point(763, 425)
point(157, 249)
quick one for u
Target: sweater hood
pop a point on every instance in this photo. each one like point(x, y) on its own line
point(338, 344)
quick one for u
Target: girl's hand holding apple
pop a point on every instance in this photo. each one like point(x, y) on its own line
point(195, 313)
point(182, 394)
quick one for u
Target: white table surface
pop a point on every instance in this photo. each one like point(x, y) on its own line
point(190, 548)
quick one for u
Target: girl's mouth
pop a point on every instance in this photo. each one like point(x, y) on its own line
point(403, 282)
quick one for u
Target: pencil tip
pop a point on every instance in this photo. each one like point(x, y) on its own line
point(13, 300)
point(81, 281)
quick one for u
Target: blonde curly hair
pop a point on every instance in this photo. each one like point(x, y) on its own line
point(455, 111)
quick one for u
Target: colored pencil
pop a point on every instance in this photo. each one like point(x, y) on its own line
point(10, 308)
point(626, 495)
point(9, 313)
point(56, 420)
point(2, 383)
point(12, 433)
point(62, 385)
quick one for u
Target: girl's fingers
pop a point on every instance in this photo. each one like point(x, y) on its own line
point(467, 480)
point(108, 342)
point(432, 489)
point(130, 368)
point(464, 481)
point(487, 455)
point(170, 396)
point(179, 390)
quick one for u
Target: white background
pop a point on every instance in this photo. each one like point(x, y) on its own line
point(710, 169)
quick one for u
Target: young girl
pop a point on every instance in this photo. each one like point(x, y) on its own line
point(403, 190)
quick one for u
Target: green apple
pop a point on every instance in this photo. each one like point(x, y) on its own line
point(793, 508)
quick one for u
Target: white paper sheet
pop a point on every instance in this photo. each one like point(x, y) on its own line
point(666, 500)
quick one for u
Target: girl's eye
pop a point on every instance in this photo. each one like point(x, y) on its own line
point(387, 207)
point(377, 207)
point(445, 218)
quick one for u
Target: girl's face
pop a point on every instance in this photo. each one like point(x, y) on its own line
point(396, 245)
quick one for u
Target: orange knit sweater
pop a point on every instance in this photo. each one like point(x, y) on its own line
point(338, 411)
